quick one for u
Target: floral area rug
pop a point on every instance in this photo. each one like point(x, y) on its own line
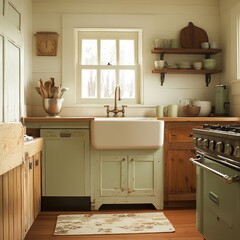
point(86, 224)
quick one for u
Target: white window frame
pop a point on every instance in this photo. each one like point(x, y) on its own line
point(102, 33)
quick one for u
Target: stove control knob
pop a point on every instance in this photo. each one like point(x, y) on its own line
point(199, 142)
point(211, 145)
point(205, 143)
point(236, 152)
point(219, 147)
point(228, 149)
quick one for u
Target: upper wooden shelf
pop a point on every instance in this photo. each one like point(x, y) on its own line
point(186, 51)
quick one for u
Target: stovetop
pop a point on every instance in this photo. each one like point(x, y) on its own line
point(233, 128)
point(219, 140)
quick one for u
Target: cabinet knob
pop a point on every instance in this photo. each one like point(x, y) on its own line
point(36, 162)
point(30, 165)
point(123, 159)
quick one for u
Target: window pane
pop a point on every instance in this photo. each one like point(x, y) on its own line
point(108, 52)
point(127, 83)
point(89, 83)
point(108, 83)
point(89, 52)
point(126, 52)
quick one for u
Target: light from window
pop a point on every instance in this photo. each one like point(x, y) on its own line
point(107, 59)
point(108, 52)
point(89, 52)
point(108, 83)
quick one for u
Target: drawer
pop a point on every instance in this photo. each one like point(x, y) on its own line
point(180, 132)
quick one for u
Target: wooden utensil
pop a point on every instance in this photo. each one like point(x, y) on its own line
point(192, 36)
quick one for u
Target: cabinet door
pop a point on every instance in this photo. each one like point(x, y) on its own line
point(28, 194)
point(113, 175)
point(37, 183)
point(181, 175)
point(142, 174)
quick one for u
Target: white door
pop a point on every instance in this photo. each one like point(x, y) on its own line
point(11, 46)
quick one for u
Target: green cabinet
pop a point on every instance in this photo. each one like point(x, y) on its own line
point(127, 176)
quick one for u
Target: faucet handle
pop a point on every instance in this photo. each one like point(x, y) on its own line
point(107, 106)
point(123, 110)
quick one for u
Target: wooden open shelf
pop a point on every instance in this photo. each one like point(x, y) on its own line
point(197, 51)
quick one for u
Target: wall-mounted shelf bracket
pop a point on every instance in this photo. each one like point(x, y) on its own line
point(162, 56)
point(207, 79)
point(162, 78)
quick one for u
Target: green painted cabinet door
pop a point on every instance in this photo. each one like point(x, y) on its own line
point(113, 175)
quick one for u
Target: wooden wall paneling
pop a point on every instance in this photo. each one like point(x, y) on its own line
point(5, 207)
point(17, 203)
point(26, 194)
point(10, 204)
point(1, 207)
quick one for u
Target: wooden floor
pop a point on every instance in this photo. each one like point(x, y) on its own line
point(184, 222)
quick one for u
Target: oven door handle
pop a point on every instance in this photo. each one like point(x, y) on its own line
point(224, 177)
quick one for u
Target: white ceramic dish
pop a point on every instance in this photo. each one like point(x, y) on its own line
point(206, 108)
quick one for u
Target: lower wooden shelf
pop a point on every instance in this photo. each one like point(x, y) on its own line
point(205, 72)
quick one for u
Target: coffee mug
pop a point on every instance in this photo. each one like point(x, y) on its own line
point(156, 43)
point(159, 64)
point(163, 43)
point(213, 45)
point(171, 110)
point(160, 111)
point(205, 45)
point(197, 65)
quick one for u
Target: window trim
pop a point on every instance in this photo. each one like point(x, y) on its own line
point(136, 67)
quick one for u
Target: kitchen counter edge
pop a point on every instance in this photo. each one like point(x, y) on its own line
point(200, 119)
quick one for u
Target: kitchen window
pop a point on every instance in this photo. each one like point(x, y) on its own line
point(106, 58)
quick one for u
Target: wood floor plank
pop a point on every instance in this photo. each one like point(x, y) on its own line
point(184, 221)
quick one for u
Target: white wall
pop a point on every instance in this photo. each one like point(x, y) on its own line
point(158, 18)
point(228, 34)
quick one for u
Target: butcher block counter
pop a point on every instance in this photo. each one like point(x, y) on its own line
point(200, 119)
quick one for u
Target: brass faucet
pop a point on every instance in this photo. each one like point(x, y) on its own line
point(115, 110)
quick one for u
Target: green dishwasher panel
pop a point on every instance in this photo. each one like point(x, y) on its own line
point(65, 162)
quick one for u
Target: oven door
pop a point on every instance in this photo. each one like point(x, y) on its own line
point(218, 199)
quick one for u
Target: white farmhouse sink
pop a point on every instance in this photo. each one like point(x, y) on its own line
point(127, 133)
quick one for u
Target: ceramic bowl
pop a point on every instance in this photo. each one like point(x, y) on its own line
point(209, 64)
point(206, 108)
point(190, 111)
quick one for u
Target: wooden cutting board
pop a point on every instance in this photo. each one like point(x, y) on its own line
point(192, 36)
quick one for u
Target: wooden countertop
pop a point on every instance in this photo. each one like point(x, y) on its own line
point(32, 147)
point(167, 119)
point(200, 119)
point(57, 119)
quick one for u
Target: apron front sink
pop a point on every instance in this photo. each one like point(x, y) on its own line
point(127, 133)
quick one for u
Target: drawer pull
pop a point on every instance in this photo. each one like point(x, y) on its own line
point(30, 165)
point(65, 135)
point(36, 162)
